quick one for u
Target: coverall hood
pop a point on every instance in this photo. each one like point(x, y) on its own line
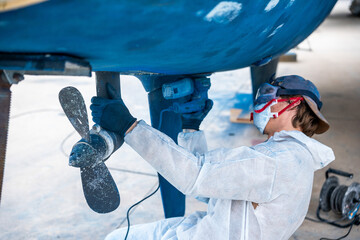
point(322, 154)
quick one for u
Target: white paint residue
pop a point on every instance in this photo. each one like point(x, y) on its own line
point(276, 29)
point(291, 2)
point(271, 5)
point(265, 30)
point(200, 13)
point(224, 12)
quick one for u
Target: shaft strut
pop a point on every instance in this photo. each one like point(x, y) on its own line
point(5, 99)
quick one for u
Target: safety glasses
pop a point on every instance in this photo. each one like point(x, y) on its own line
point(266, 93)
point(292, 100)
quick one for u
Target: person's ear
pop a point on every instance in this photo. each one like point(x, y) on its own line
point(293, 107)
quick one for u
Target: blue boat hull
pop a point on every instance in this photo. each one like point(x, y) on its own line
point(172, 37)
point(169, 37)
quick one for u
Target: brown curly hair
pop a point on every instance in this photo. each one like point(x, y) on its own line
point(305, 118)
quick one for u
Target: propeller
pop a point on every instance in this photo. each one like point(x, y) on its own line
point(88, 154)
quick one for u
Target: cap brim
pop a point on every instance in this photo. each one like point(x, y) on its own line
point(323, 124)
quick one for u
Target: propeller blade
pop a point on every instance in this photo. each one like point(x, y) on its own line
point(99, 188)
point(74, 107)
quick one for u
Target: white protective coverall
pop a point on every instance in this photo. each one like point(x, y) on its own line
point(277, 174)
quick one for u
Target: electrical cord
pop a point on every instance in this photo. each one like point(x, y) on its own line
point(63, 143)
point(122, 170)
point(355, 221)
point(42, 111)
point(313, 220)
point(320, 221)
point(62, 149)
point(128, 211)
point(342, 237)
point(334, 223)
point(35, 111)
point(351, 224)
point(116, 169)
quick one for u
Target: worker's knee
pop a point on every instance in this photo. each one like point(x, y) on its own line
point(140, 231)
point(117, 234)
point(149, 231)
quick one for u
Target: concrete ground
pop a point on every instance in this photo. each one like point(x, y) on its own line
point(42, 195)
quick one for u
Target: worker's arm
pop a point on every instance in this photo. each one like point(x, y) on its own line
point(239, 174)
point(195, 142)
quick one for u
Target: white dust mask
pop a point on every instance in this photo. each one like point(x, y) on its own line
point(261, 119)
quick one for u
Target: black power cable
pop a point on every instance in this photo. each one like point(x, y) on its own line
point(313, 220)
point(116, 169)
point(342, 237)
point(355, 221)
point(128, 211)
point(342, 200)
point(334, 223)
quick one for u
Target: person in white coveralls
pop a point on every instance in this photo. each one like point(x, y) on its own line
point(259, 192)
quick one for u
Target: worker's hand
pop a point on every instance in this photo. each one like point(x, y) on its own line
point(193, 120)
point(111, 114)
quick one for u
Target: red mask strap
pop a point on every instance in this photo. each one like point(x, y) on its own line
point(294, 99)
point(266, 105)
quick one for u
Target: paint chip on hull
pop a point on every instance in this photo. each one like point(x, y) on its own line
point(224, 12)
point(276, 29)
point(271, 5)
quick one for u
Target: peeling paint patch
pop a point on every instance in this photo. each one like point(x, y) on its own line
point(271, 5)
point(275, 30)
point(224, 12)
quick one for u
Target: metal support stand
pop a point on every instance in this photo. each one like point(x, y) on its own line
point(262, 74)
point(6, 80)
point(173, 200)
point(113, 78)
point(102, 78)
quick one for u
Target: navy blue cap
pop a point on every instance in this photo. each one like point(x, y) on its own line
point(296, 85)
